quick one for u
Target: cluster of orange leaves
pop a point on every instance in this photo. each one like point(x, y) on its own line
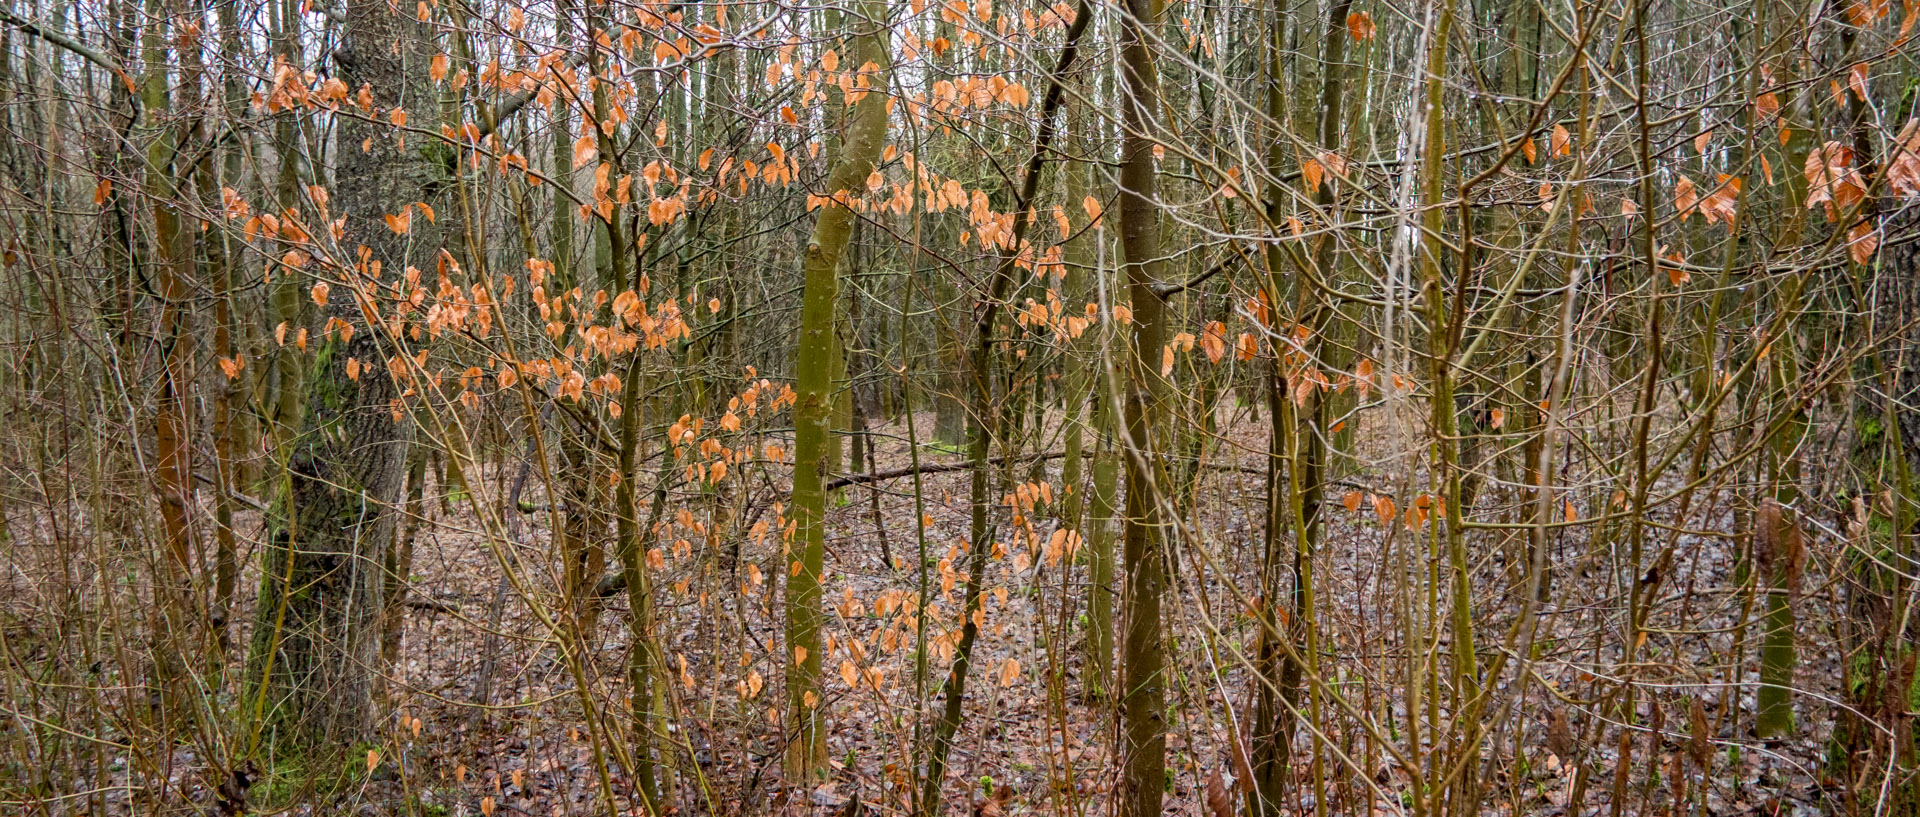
point(1423, 507)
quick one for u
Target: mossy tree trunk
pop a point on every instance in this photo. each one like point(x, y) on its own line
point(864, 131)
point(1779, 555)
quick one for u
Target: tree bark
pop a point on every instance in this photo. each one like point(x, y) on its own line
point(316, 647)
point(1143, 726)
point(865, 130)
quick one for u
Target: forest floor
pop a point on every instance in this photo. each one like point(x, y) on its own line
point(1036, 725)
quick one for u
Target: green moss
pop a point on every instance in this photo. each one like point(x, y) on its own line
point(296, 774)
point(1913, 689)
point(1871, 431)
point(943, 448)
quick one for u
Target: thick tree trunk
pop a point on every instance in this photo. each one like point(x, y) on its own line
point(316, 646)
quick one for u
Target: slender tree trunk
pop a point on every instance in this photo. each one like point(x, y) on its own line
point(174, 267)
point(288, 307)
point(229, 405)
point(990, 415)
point(1143, 726)
point(1780, 556)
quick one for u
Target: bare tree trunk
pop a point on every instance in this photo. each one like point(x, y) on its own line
point(174, 263)
point(1143, 725)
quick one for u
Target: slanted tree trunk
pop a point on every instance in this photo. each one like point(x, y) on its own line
point(988, 418)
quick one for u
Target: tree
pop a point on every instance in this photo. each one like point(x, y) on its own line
point(1143, 726)
point(860, 142)
point(316, 643)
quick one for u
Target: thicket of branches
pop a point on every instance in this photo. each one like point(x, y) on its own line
point(1133, 406)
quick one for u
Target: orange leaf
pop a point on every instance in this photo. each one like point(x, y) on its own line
point(1863, 13)
point(585, 149)
point(1562, 142)
point(1360, 25)
point(1685, 197)
point(1334, 162)
point(1720, 204)
point(1213, 341)
point(1311, 172)
point(1384, 509)
point(1678, 276)
point(1862, 240)
point(1832, 179)
point(320, 291)
point(1246, 348)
